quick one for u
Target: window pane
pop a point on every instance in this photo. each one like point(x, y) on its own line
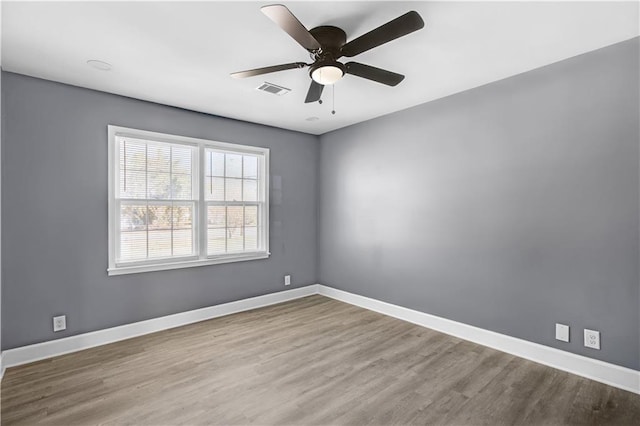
point(133, 217)
point(182, 216)
point(132, 155)
point(250, 190)
point(216, 216)
point(133, 245)
point(133, 184)
point(181, 187)
point(181, 159)
point(159, 217)
point(251, 216)
point(235, 216)
point(158, 184)
point(233, 165)
point(182, 230)
point(182, 242)
point(251, 238)
point(214, 163)
point(160, 243)
point(133, 235)
point(235, 239)
point(214, 188)
point(158, 157)
point(216, 241)
point(233, 190)
point(250, 167)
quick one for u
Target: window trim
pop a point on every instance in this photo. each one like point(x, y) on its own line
point(202, 258)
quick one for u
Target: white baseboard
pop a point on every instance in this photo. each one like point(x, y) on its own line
point(51, 348)
point(610, 374)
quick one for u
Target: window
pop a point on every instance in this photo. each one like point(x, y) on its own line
point(177, 202)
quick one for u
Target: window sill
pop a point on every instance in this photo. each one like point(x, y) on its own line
point(135, 269)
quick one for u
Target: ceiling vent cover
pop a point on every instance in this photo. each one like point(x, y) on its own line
point(273, 89)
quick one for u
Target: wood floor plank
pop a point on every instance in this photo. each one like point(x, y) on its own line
point(311, 361)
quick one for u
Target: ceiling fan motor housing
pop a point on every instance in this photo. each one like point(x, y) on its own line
point(325, 68)
point(330, 38)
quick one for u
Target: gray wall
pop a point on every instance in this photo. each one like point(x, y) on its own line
point(509, 207)
point(54, 213)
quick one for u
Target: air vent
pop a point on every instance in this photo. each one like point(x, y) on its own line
point(273, 89)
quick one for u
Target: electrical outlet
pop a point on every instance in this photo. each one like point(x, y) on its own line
point(287, 280)
point(591, 339)
point(60, 323)
point(562, 332)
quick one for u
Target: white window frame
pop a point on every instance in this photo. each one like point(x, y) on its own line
point(201, 258)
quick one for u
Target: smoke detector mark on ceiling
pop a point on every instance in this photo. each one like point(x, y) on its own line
point(273, 89)
point(99, 65)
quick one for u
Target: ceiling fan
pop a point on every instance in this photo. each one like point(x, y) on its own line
point(326, 44)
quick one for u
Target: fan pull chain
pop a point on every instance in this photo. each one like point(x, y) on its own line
point(333, 95)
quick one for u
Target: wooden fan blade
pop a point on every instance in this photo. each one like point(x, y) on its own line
point(314, 93)
point(372, 73)
point(289, 23)
point(267, 70)
point(401, 26)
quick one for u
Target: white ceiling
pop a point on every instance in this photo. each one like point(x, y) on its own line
point(181, 54)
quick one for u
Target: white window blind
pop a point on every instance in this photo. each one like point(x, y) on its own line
point(179, 202)
point(233, 202)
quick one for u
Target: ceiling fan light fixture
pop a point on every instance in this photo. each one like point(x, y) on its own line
point(327, 73)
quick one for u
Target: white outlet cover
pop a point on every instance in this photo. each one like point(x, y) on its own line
point(287, 280)
point(562, 332)
point(591, 339)
point(60, 323)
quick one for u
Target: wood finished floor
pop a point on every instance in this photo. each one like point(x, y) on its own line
point(310, 361)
